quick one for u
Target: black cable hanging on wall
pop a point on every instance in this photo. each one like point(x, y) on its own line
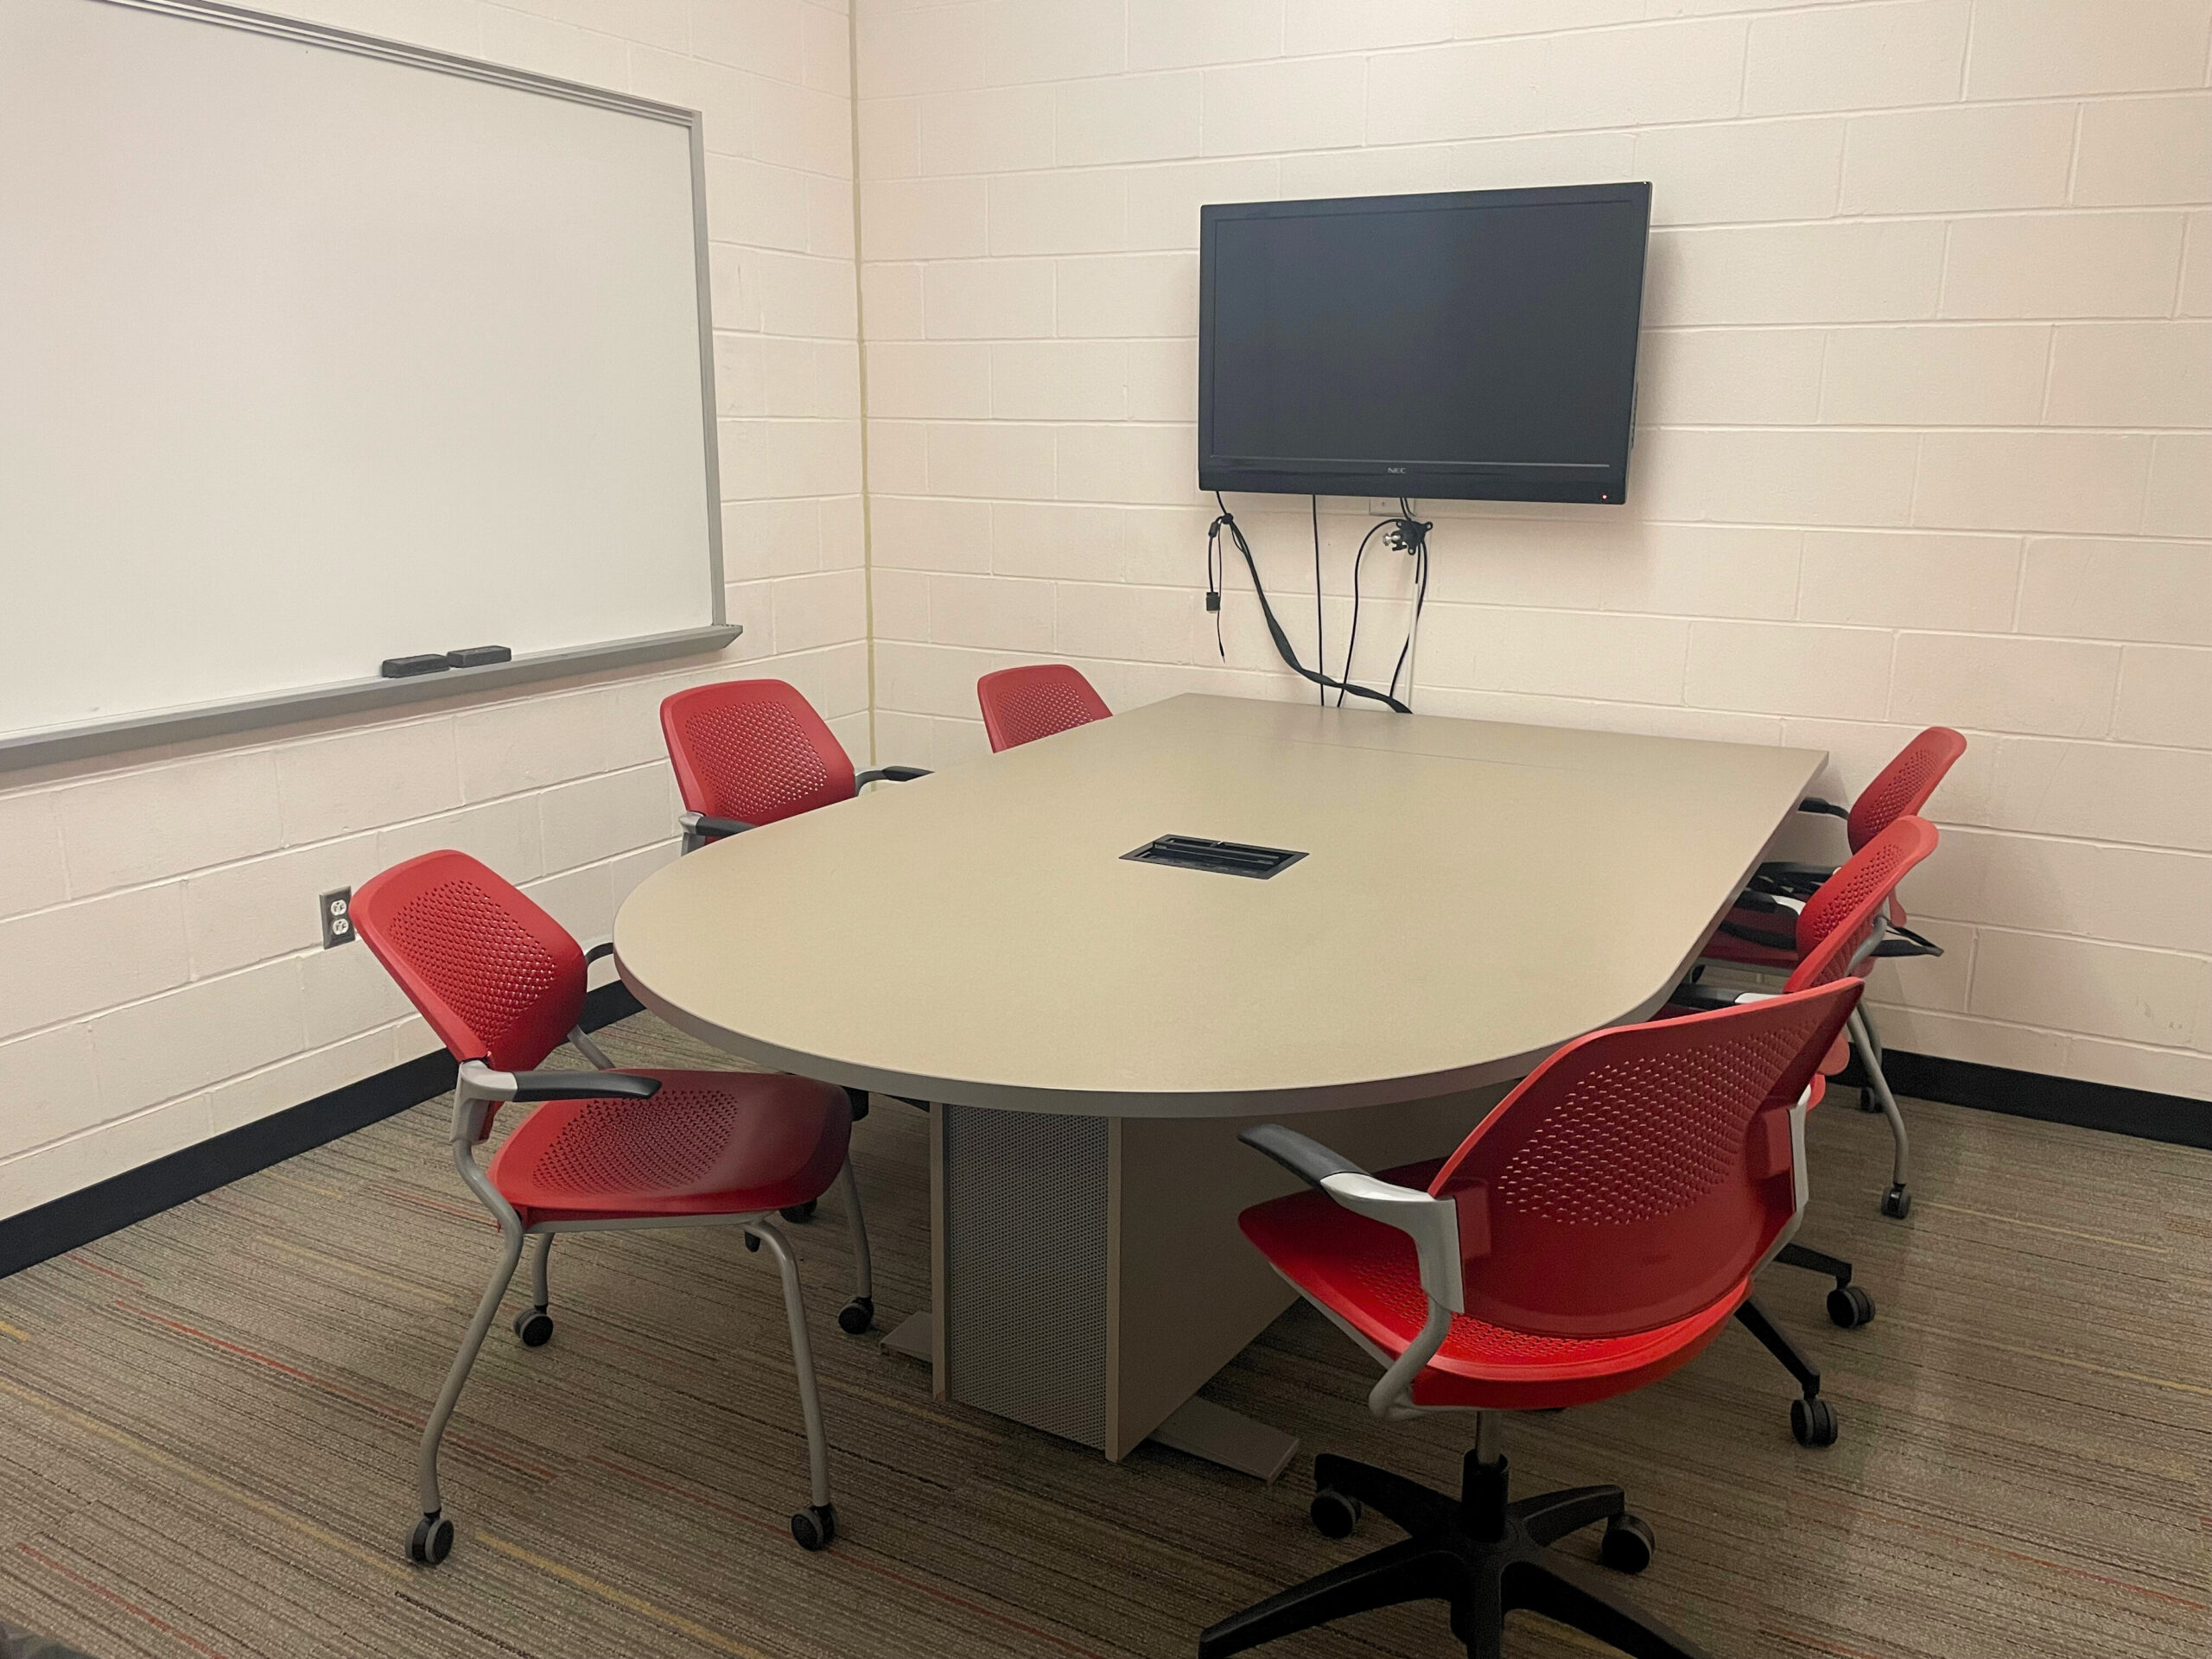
point(1406, 534)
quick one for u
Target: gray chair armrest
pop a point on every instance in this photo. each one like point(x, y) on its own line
point(482, 1082)
point(1303, 1156)
point(705, 828)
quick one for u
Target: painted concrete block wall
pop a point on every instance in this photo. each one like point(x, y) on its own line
point(160, 979)
point(1927, 406)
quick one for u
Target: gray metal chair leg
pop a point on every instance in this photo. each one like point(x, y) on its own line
point(1873, 1033)
point(1897, 1201)
point(433, 1537)
point(857, 1317)
point(534, 1324)
point(816, 1525)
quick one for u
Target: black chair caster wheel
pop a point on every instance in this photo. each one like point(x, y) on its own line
point(1868, 1102)
point(1627, 1545)
point(534, 1326)
point(753, 1241)
point(815, 1526)
point(1334, 1513)
point(1850, 1307)
point(799, 1214)
point(857, 1317)
point(432, 1541)
point(1813, 1421)
point(1896, 1203)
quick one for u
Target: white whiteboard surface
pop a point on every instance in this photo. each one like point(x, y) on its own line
point(314, 352)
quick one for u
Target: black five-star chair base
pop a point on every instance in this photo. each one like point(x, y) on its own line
point(1481, 1554)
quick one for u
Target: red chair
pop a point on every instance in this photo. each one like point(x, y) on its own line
point(750, 752)
point(747, 752)
point(1848, 925)
point(502, 983)
point(1851, 919)
point(1023, 704)
point(1593, 1234)
point(1900, 790)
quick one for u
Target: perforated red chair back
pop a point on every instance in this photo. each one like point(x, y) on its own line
point(1905, 785)
point(1639, 1175)
point(1023, 704)
point(754, 751)
point(499, 979)
point(1838, 917)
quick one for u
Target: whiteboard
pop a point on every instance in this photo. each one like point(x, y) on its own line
point(316, 351)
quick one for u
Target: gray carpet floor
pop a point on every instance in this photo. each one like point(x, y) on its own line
point(207, 1425)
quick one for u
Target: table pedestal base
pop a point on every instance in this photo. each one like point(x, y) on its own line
point(915, 1337)
point(1089, 1276)
point(1203, 1429)
point(1198, 1427)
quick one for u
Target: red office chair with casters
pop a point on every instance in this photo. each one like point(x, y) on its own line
point(1023, 704)
point(747, 752)
point(502, 983)
point(1843, 929)
point(1898, 791)
point(1593, 1234)
point(750, 752)
point(1851, 920)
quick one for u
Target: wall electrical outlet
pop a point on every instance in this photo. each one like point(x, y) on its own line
point(336, 910)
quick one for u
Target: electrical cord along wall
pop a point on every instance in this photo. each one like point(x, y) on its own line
point(1406, 534)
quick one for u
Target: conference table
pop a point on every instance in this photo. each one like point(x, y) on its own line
point(1094, 1029)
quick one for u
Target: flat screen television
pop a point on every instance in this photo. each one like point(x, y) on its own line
point(1476, 344)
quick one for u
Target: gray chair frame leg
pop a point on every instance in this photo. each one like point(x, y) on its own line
point(534, 1324)
point(433, 1537)
point(1896, 1203)
point(857, 1317)
point(816, 1525)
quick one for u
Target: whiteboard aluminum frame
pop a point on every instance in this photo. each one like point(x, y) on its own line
point(153, 727)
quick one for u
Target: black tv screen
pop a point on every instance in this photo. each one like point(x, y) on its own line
point(1478, 344)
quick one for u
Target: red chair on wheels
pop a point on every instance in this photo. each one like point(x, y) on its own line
point(502, 983)
point(1898, 791)
point(1757, 932)
point(1023, 704)
point(1842, 929)
point(751, 751)
point(1593, 1234)
point(1851, 919)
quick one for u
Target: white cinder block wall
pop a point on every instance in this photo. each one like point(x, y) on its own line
point(159, 975)
point(1927, 387)
point(1926, 390)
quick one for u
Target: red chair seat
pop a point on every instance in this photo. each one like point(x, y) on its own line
point(1366, 1274)
point(710, 1143)
point(1724, 946)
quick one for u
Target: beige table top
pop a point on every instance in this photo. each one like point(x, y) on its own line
point(1473, 894)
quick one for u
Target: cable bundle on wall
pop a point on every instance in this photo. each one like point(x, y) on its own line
point(1403, 532)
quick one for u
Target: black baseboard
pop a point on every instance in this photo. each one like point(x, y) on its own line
point(94, 1211)
point(2175, 1119)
